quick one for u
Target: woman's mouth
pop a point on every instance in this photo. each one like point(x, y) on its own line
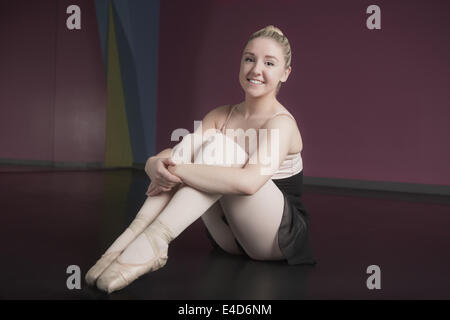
point(255, 82)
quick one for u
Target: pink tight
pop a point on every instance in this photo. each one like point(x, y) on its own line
point(252, 219)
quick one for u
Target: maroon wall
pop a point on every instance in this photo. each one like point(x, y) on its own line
point(370, 104)
point(27, 79)
point(52, 82)
point(80, 106)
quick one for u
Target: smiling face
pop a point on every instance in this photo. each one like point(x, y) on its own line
point(262, 61)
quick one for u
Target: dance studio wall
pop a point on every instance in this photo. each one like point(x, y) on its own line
point(78, 97)
point(52, 85)
point(371, 105)
point(129, 36)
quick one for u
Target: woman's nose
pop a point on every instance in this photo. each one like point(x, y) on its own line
point(257, 68)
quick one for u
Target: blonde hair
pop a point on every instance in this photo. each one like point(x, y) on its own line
point(276, 34)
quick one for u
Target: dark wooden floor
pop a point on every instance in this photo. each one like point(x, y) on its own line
point(54, 219)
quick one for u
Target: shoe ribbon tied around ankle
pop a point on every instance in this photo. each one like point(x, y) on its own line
point(160, 230)
point(138, 225)
point(118, 275)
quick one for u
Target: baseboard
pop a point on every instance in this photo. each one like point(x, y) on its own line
point(307, 181)
point(378, 185)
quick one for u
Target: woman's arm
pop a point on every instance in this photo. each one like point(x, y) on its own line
point(163, 154)
point(156, 166)
point(250, 178)
point(211, 179)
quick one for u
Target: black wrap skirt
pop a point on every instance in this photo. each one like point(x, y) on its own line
point(294, 231)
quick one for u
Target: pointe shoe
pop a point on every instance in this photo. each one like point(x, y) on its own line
point(137, 226)
point(119, 275)
point(100, 266)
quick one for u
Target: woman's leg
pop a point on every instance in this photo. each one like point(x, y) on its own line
point(186, 206)
point(152, 206)
point(219, 230)
point(213, 217)
point(255, 220)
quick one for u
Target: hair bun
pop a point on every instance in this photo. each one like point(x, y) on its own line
point(275, 29)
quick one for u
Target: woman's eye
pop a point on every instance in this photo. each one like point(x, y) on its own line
point(268, 62)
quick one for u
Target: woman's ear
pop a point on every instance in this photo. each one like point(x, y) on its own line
point(286, 74)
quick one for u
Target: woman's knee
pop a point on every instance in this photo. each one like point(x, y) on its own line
point(184, 152)
point(221, 150)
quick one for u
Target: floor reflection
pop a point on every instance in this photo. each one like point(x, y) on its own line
point(237, 277)
point(55, 219)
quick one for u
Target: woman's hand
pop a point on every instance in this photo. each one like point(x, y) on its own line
point(162, 179)
point(154, 189)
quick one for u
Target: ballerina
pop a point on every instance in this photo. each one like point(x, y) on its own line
point(251, 207)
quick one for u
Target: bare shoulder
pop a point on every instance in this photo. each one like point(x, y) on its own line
point(283, 122)
point(218, 115)
point(286, 122)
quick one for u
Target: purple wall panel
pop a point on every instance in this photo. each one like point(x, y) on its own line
point(370, 104)
point(80, 108)
point(27, 79)
point(181, 40)
point(52, 83)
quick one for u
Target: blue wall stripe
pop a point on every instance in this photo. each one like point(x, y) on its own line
point(101, 10)
point(137, 27)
